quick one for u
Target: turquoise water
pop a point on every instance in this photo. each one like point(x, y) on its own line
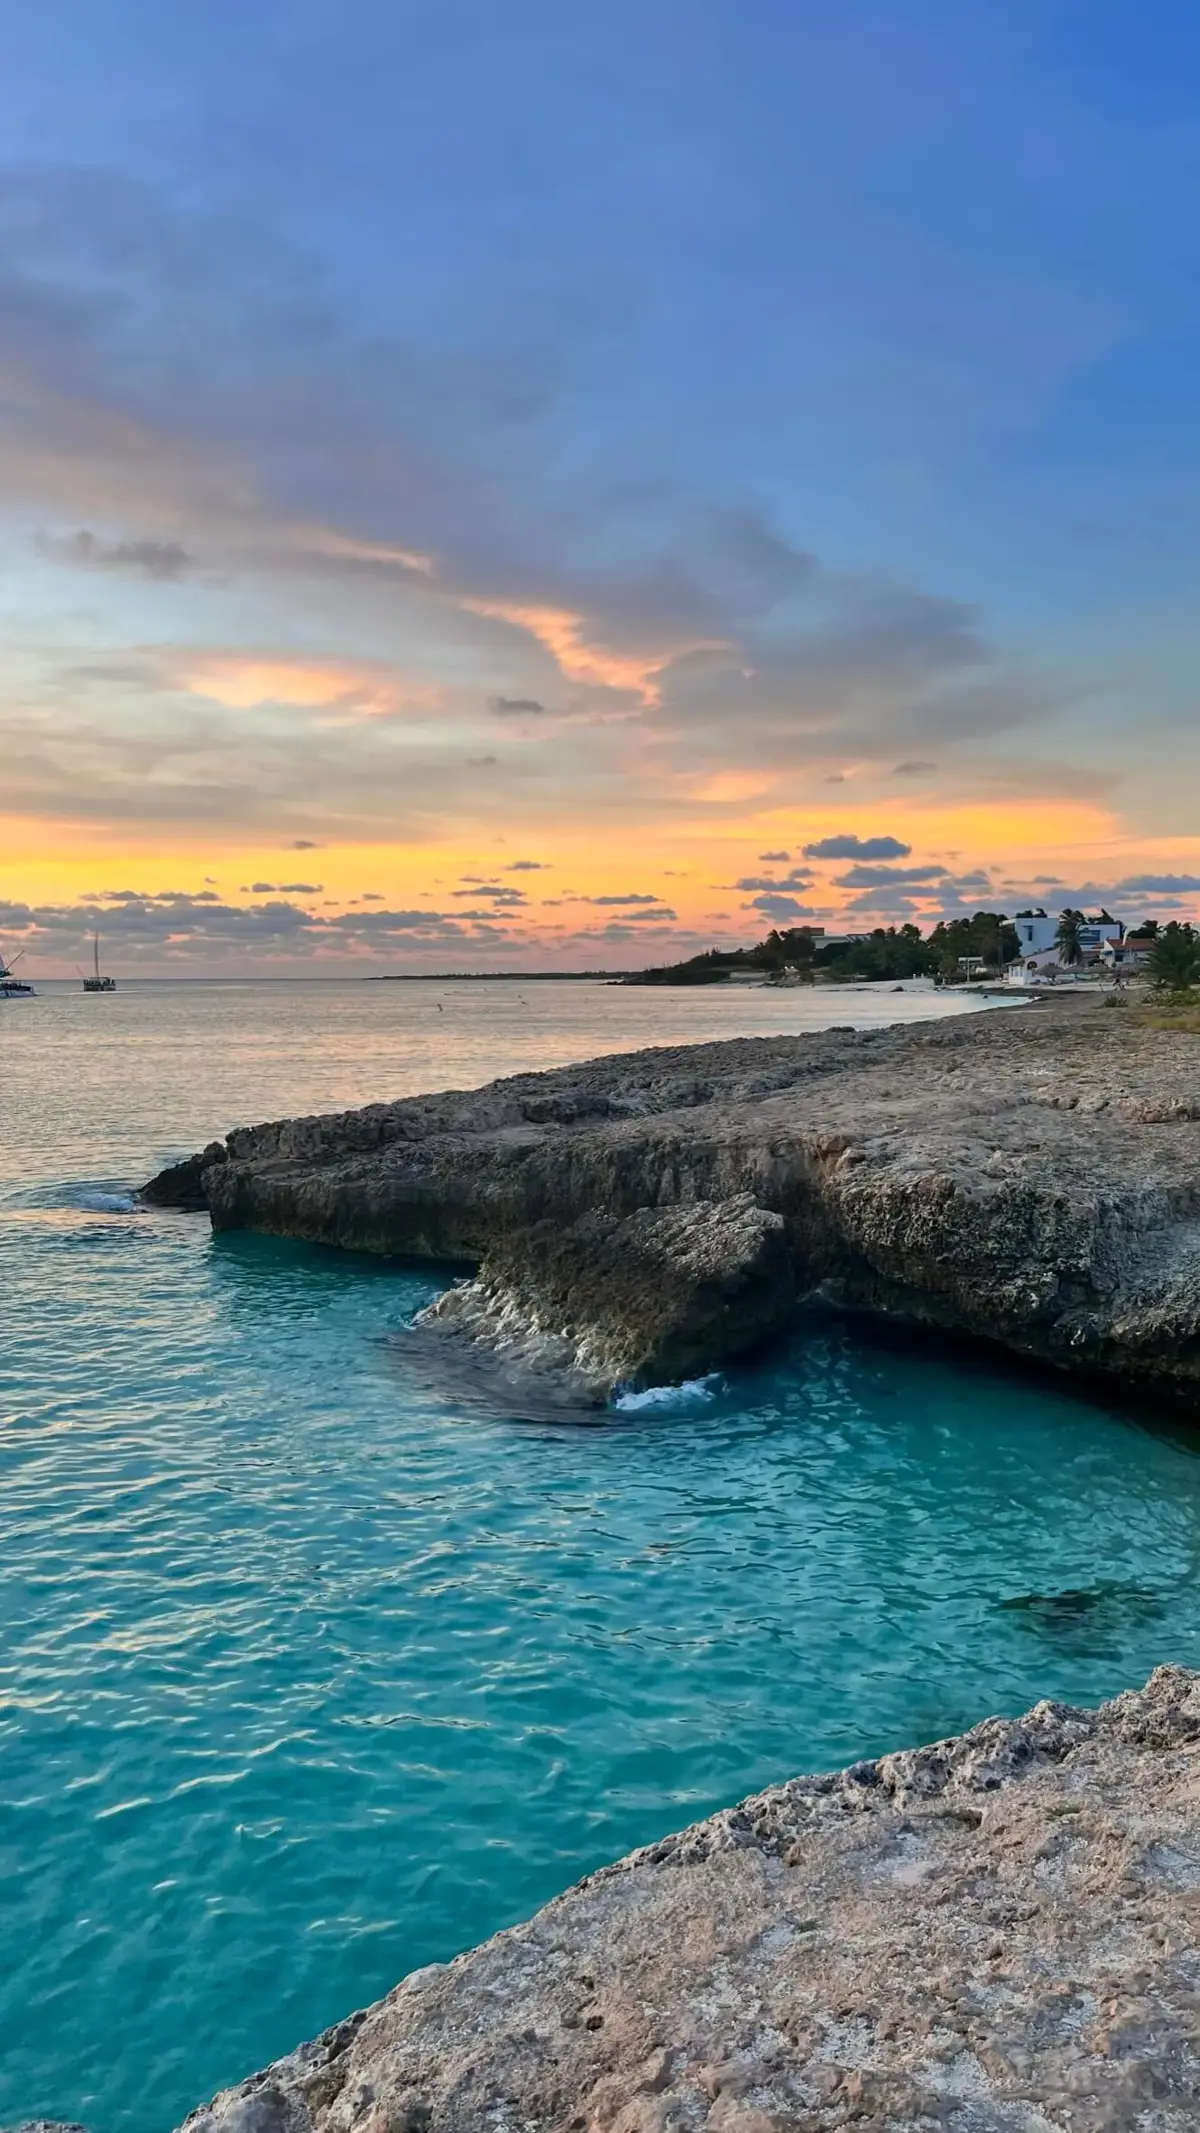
point(313, 1668)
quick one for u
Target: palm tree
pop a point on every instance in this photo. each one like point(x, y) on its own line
point(1173, 964)
point(1066, 939)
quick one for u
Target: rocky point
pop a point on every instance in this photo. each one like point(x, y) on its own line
point(1031, 1176)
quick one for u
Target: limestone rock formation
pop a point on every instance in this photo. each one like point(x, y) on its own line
point(1031, 1176)
point(993, 1935)
point(42, 2125)
point(644, 1298)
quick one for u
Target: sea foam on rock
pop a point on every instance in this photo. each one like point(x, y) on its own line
point(613, 1300)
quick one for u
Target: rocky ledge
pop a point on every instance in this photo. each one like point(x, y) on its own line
point(993, 1935)
point(1031, 1176)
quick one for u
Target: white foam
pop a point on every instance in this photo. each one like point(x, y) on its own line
point(694, 1392)
point(107, 1203)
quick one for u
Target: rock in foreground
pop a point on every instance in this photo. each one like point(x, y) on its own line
point(993, 1935)
point(1029, 1176)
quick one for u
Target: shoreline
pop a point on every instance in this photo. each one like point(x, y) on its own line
point(646, 1217)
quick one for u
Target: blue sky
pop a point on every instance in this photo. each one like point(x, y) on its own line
point(829, 368)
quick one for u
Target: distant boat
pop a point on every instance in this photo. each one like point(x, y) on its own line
point(97, 983)
point(14, 988)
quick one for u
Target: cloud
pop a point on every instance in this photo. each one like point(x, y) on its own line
point(848, 847)
point(855, 666)
point(868, 877)
point(304, 844)
point(169, 897)
point(915, 769)
point(177, 927)
point(663, 915)
point(171, 366)
point(497, 892)
point(1157, 884)
point(163, 562)
point(895, 904)
point(572, 644)
point(642, 927)
point(796, 879)
point(630, 899)
point(244, 680)
point(768, 858)
point(528, 866)
point(777, 908)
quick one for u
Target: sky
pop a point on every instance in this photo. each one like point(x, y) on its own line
point(522, 486)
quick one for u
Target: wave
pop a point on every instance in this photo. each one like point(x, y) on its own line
point(694, 1392)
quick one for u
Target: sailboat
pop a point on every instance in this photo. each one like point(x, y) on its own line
point(14, 988)
point(97, 983)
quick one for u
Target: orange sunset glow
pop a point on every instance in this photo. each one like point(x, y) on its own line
point(591, 608)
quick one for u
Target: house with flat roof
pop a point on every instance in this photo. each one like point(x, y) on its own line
point(1036, 934)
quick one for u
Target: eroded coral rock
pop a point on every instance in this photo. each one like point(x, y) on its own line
point(996, 1934)
point(635, 1299)
point(1029, 1176)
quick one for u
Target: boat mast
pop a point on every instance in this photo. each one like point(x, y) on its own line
point(96, 954)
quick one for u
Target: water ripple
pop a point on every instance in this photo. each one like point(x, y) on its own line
point(315, 1667)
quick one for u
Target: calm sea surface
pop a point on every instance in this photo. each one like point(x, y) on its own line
point(312, 1670)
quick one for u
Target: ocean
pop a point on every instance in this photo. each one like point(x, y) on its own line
point(315, 1667)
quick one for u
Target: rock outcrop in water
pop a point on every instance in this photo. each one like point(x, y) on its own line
point(1033, 1177)
point(993, 1935)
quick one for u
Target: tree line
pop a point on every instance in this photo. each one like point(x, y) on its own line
point(954, 949)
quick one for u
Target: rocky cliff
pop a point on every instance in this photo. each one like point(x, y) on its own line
point(1032, 1176)
point(993, 1935)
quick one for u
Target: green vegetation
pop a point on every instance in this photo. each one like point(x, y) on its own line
point(985, 942)
point(1067, 941)
point(989, 935)
point(712, 968)
point(1171, 1011)
point(1173, 964)
point(955, 951)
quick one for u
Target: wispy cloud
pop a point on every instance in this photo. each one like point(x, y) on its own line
point(796, 878)
point(284, 888)
point(450, 586)
point(244, 681)
point(632, 898)
point(160, 561)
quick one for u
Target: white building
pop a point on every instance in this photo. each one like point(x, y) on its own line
point(1037, 935)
